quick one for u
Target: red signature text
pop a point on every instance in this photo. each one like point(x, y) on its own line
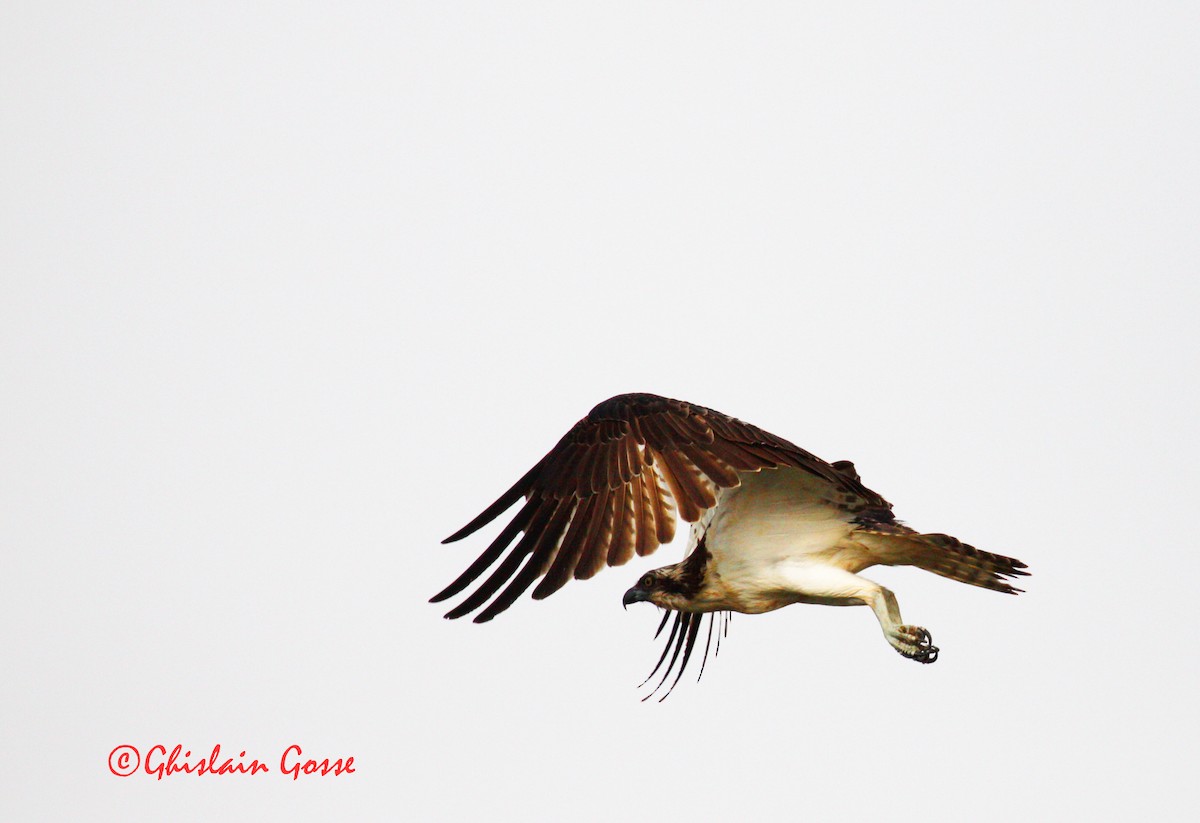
point(161, 764)
point(126, 760)
point(292, 763)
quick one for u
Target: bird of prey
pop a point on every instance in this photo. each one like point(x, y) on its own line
point(772, 525)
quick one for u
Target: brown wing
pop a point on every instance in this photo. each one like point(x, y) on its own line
point(610, 488)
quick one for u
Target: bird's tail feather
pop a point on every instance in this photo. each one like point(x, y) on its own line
point(949, 557)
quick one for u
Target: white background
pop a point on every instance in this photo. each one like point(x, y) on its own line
point(292, 290)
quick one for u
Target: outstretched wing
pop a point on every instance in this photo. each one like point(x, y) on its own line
point(611, 486)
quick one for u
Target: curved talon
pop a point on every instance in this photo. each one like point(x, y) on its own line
point(929, 655)
point(921, 641)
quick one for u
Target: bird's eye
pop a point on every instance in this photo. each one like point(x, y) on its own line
point(647, 581)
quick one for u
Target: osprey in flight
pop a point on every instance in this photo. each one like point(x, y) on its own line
point(772, 525)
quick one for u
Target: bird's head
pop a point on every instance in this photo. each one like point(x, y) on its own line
point(667, 587)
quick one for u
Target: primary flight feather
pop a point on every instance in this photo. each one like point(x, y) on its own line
point(772, 525)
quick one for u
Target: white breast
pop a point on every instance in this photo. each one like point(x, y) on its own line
point(775, 518)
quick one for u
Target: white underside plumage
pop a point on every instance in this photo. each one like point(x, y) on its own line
point(775, 540)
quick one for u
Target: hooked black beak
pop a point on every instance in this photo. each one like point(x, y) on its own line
point(635, 595)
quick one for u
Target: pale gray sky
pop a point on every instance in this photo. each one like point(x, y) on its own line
point(290, 291)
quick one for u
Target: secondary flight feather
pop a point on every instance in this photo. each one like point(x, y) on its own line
point(772, 525)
